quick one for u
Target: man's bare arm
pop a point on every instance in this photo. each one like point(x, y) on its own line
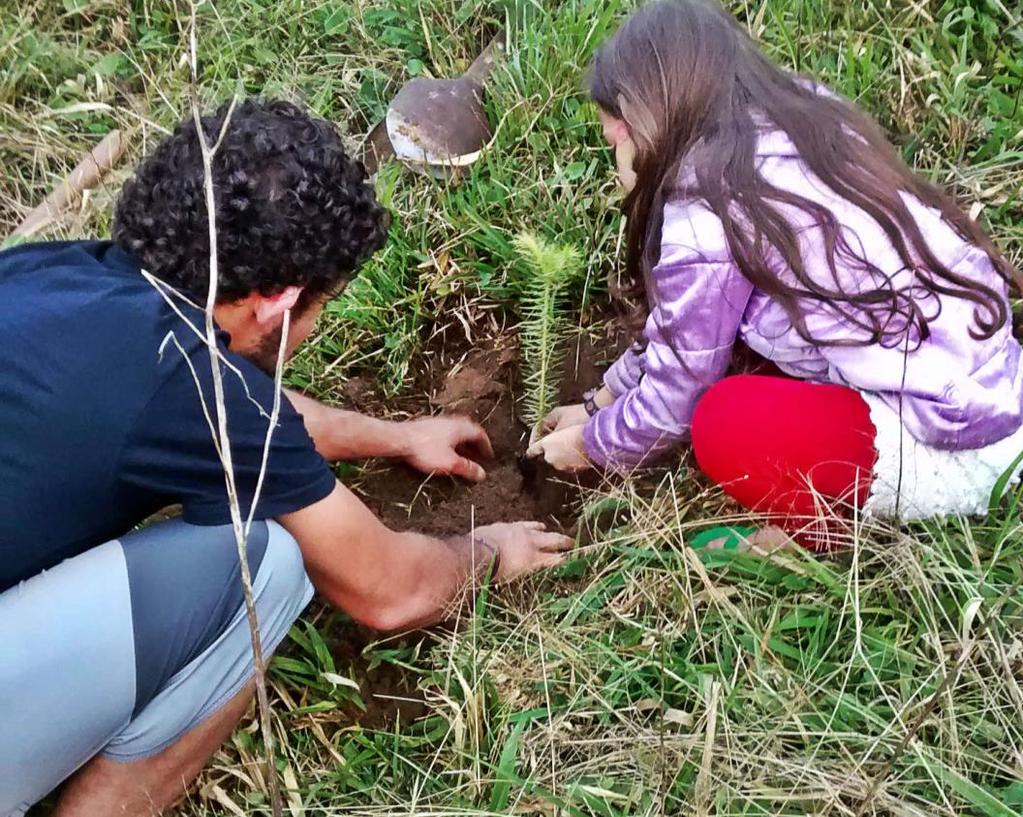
point(342, 435)
point(432, 444)
point(395, 581)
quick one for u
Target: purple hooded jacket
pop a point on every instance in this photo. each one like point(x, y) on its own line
point(956, 392)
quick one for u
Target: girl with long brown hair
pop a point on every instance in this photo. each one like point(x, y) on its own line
point(765, 211)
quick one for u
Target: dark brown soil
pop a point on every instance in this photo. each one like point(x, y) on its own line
point(389, 691)
point(483, 385)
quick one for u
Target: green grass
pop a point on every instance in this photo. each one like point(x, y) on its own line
point(644, 678)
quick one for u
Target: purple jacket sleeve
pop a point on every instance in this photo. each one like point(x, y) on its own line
point(626, 372)
point(697, 306)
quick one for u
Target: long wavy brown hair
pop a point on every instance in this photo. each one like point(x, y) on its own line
point(695, 91)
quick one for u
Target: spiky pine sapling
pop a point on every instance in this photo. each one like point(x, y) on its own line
point(545, 274)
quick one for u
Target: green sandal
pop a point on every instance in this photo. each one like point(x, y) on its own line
point(732, 534)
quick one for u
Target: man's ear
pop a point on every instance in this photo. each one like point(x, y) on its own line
point(269, 309)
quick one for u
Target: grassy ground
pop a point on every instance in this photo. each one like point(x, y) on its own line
point(643, 678)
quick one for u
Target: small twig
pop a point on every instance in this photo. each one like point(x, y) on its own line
point(169, 294)
point(275, 413)
point(240, 530)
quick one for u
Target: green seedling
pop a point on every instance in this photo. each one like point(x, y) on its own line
point(548, 272)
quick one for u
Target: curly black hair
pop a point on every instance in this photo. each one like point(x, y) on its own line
point(292, 208)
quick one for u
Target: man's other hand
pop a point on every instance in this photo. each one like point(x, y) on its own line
point(446, 445)
point(525, 547)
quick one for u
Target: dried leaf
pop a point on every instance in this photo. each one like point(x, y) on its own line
point(222, 797)
point(339, 680)
point(294, 795)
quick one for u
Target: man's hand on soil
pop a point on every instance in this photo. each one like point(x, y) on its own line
point(446, 445)
point(525, 547)
point(563, 450)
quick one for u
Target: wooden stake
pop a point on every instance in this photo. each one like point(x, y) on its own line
point(88, 173)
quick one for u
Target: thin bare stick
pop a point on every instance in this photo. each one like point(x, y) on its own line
point(208, 152)
point(166, 291)
point(275, 413)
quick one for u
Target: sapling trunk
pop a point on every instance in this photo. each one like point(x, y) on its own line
point(546, 274)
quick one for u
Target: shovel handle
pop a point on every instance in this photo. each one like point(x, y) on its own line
point(484, 63)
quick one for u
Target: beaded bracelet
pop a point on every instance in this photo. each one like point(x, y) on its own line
point(495, 559)
point(590, 402)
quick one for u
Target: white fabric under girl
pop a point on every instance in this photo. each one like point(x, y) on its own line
point(913, 480)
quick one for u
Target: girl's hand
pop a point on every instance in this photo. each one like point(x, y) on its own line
point(563, 450)
point(572, 415)
point(565, 417)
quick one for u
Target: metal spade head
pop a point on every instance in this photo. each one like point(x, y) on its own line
point(438, 125)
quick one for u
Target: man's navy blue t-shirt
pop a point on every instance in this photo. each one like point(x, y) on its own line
point(100, 418)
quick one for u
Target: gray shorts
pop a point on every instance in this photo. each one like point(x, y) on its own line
point(122, 650)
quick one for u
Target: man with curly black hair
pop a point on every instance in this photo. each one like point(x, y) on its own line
point(124, 655)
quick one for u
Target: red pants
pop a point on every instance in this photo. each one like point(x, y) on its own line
point(799, 452)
